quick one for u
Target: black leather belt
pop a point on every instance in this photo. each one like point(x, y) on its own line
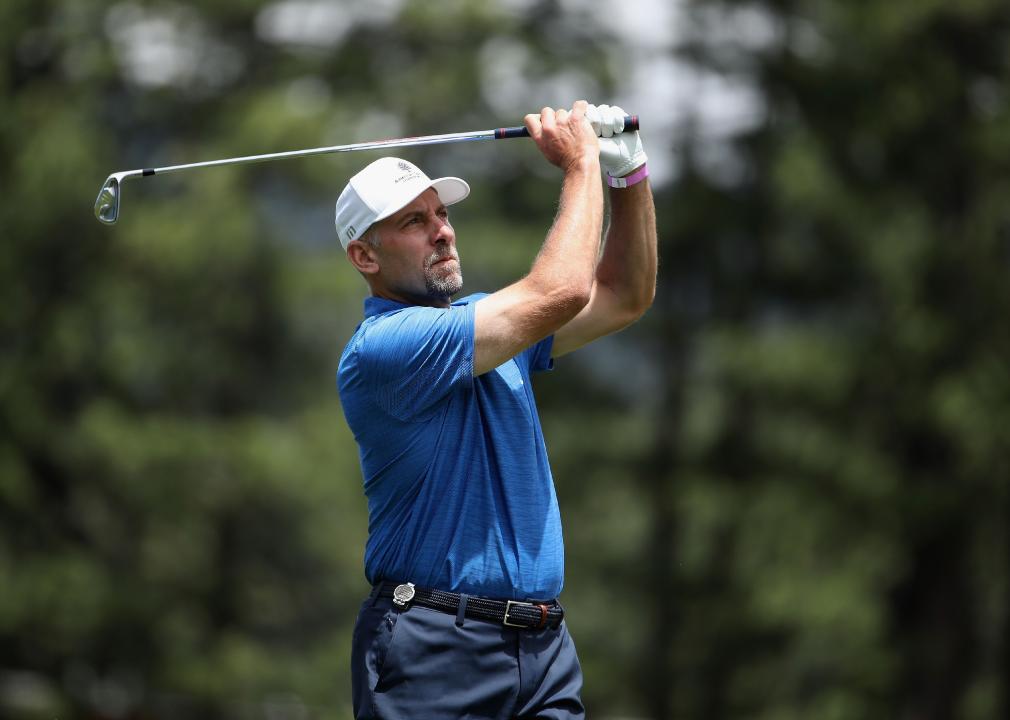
point(513, 613)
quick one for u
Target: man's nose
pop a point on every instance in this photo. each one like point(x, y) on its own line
point(443, 231)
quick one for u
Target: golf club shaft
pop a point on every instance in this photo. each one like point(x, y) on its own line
point(630, 123)
point(110, 196)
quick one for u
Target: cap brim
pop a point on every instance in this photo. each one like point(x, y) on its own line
point(450, 190)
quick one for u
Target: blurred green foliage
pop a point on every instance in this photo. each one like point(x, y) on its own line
point(786, 491)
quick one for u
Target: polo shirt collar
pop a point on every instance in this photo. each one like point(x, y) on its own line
point(378, 305)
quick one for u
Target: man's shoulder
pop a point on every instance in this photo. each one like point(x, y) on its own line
point(397, 324)
point(394, 318)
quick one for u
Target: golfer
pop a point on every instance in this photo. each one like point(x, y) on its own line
point(464, 547)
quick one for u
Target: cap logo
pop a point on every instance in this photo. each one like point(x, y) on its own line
point(350, 232)
point(408, 172)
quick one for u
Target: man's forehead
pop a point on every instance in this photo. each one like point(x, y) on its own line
point(429, 198)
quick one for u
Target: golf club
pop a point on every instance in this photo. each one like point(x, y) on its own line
point(111, 195)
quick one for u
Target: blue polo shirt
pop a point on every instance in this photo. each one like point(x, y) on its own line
point(460, 493)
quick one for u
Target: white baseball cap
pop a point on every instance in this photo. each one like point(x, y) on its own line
point(385, 186)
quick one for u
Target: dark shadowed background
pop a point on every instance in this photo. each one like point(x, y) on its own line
point(785, 492)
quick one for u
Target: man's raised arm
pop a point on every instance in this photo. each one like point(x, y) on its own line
point(560, 282)
point(625, 280)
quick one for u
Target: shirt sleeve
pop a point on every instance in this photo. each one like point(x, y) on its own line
point(416, 357)
point(538, 356)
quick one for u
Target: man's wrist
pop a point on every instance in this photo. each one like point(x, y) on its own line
point(632, 178)
point(589, 164)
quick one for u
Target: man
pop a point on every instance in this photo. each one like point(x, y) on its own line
point(465, 550)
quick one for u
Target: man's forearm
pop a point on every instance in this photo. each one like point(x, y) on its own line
point(571, 248)
point(628, 265)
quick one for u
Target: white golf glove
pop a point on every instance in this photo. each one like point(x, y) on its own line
point(620, 153)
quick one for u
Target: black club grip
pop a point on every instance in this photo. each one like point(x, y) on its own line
point(630, 123)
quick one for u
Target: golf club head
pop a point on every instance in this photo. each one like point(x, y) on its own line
point(107, 204)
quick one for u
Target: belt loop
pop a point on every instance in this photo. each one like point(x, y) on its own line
point(374, 595)
point(543, 615)
point(461, 611)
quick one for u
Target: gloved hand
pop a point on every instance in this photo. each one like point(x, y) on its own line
point(620, 153)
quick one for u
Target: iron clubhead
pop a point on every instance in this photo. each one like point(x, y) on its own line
point(107, 204)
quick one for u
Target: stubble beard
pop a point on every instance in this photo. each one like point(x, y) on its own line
point(445, 280)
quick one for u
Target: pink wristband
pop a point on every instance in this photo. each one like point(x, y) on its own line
point(628, 180)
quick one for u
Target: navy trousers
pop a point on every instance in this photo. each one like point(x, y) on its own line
point(423, 663)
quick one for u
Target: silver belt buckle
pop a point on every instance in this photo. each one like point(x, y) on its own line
point(403, 594)
point(508, 607)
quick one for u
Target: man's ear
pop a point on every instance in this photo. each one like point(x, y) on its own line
point(363, 257)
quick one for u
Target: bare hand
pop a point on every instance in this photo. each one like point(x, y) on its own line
point(564, 137)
